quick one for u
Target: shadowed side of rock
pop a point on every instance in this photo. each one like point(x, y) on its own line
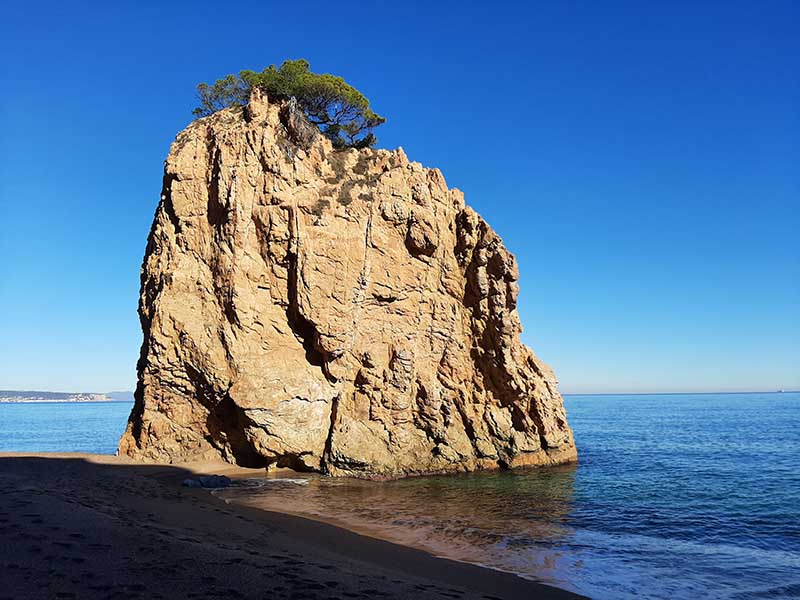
point(339, 311)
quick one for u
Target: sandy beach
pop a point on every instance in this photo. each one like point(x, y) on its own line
point(94, 526)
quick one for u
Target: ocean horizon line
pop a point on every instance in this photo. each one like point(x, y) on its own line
point(687, 393)
point(681, 393)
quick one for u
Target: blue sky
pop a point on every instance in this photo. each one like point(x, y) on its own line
point(640, 158)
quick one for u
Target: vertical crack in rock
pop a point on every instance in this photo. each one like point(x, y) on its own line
point(216, 212)
point(335, 310)
point(327, 455)
point(302, 328)
point(363, 280)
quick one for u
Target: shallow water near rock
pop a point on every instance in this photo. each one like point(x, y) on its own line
point(678, 496)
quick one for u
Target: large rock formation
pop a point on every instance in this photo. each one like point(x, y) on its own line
point(332, 310)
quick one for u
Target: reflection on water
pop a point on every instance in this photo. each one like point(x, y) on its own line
point(675, 496)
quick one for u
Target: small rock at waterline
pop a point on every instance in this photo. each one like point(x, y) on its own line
point(208, 481)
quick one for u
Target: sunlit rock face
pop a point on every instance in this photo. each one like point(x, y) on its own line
point(332, 310)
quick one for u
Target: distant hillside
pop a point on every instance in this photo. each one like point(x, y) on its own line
point(38, 396)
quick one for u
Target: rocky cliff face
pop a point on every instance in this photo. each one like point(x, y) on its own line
point(340, 311)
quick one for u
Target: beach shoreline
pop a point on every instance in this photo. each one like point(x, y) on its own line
point(92, 526)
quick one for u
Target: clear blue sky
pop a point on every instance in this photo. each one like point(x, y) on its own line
point(642, 159)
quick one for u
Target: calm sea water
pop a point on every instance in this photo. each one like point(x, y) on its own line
point(676, 496)
point(62, 426)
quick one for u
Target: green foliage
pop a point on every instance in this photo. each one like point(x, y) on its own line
point(340, 111)
point(225, 92)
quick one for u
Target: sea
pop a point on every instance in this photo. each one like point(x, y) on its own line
point(675, 496)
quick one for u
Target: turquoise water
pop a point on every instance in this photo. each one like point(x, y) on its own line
point(62, 426)
point(676, 496)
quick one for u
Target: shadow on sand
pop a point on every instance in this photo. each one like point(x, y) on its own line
point(87, 526)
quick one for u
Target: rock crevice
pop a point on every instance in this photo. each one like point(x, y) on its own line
point(333, 310)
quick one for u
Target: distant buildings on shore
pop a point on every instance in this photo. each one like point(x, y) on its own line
point(18, 396)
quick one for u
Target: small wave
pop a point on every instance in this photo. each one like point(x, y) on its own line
point(261, 482)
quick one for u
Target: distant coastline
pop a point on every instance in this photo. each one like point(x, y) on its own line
point(33, 397)
point(39, 397)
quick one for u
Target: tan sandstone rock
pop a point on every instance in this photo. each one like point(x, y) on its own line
point(332, 310)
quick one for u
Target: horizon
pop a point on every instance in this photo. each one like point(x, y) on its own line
point(647, 186)
point(563, 393)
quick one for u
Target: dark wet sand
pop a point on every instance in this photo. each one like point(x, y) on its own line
point(89, 526)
